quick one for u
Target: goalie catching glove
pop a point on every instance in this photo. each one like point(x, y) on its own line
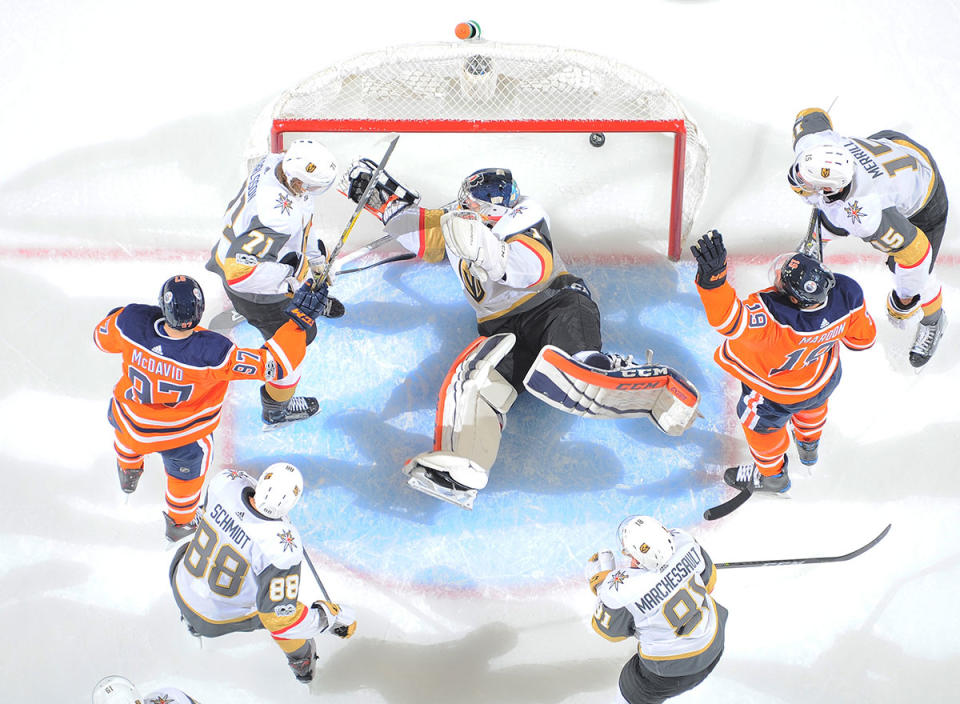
point(387, 198)
point(466, 237)
point(340, 619)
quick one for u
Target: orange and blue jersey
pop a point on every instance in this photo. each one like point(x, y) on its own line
point(171, 390)
point(784, 353)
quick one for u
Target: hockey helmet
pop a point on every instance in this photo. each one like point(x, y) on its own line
point(804, 280)
point(826, 168)
point(181, 300)
point(278, 490)
point(116, 690)
point(312, 164)
point(489, 192)
point(646, 541)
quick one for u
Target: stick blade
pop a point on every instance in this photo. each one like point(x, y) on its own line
point(727, 507)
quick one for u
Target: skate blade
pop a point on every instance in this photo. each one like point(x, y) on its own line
point(268, 427)
point(418, 481)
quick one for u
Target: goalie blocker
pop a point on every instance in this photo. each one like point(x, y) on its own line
point(624, 391)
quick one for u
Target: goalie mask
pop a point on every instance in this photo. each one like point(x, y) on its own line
point(116, 690)
point(646, 541)
point(490, 192)
point(181, 300)
point(826, 169)
point(312, 164)
point(804, 281)
point(278, 490)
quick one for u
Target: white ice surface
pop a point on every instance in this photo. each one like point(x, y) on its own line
point(120, 133)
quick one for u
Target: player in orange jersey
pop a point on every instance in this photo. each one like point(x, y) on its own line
point(175, 376)
point(782, 344)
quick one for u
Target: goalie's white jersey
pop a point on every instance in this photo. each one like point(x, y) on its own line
point(679, 626)
point(532, 265)
point(240, 564)
point(261, 225)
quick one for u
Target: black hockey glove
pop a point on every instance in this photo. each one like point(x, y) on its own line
point(307, 304)
point(359, 178)
point(711, 258)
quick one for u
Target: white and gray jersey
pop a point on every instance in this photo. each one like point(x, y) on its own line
point(679, 626)
point(241, 565)
point(261, 225)
point(534, 270)
point(168, 695)
point(893, 179)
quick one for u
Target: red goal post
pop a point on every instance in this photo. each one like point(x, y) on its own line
point(478, 87)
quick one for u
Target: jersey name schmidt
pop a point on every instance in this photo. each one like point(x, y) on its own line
point(670, 581)
point(229, 526)
point(155, 366)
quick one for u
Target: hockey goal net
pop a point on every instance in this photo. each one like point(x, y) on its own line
point(575, 121)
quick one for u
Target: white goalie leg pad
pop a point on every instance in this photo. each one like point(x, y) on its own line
point(627, 391)
point(473, 400)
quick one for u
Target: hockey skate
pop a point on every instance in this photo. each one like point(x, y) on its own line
point(178, 531)
point(304, 667)
point(928, 337)
point(747, 476)
point(278, 413)
point(129, 478)
point(807, 450)
point(432, 479)
point(333, 308)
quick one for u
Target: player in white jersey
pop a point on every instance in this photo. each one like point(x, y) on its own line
point(241, 571)
point(539, 328)
point(119, 690)
point(661, 597)
point(886, 190)
point(266, 251)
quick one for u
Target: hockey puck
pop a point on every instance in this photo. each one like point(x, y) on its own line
point(597, 139)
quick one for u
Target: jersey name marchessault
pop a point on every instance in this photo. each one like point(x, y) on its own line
point(669, 582)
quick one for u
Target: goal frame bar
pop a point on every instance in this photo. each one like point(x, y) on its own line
point(678, 128)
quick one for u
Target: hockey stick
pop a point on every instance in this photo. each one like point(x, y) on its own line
point(364, 198)
point(353, 256)
point(812, 244)
point(807, 560)
point(316, 576)
point(396, 258)
point(230, 318)
point(729, 506)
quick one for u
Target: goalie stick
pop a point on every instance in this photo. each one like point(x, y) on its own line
point(230, 318)
point(807, 560)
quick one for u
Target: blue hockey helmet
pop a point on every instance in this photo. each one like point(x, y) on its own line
point(805, 281)
point(489, 192)
point(181, 300)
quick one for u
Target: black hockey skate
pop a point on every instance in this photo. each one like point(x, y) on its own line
point(333, 308)
point(748, 477)
point(807, 450)
point(304, 667)
point(279, 413)
point(178, 531)
point(129, 478)
point(928, 337)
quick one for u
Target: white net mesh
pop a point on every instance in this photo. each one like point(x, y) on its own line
point(480, 83)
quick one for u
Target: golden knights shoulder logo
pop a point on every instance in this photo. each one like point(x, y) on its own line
point(287, 540)
point(854, 211)
point(471, 283)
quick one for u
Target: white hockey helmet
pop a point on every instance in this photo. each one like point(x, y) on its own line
point(645, 540)
point(826, 168)
point(312, 164)
point(116, 690)
point(278, 490)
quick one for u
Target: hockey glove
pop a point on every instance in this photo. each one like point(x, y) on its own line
point(711, 258)
point(598, 567)
point(340, 619)
point(898, 313)
point(307, 304)
point(388, 196)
